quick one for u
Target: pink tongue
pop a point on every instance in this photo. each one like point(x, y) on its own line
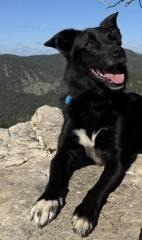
point(115, 78)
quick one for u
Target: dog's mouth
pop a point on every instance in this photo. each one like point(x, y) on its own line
point(113, 76)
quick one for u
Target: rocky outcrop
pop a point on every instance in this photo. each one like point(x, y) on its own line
point(26, 150)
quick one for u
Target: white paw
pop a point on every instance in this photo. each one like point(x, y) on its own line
point(44, 211)
point(81, 226)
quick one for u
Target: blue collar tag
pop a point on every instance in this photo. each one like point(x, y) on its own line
point(68, 100)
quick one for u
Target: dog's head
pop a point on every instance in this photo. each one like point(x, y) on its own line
point(96, 51)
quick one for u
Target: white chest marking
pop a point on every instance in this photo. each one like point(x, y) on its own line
point(89, 144)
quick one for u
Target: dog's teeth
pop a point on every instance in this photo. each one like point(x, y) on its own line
point(99, 73)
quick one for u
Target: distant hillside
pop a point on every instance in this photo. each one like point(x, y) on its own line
point(134, 64)
point(29, 82)
point(35, 74)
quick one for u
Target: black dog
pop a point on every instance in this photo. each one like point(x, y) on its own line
point(103, 124)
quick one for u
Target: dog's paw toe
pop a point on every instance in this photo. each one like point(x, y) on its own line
point(81, 225)
point(44, 211)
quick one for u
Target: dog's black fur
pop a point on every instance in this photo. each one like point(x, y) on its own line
point(140, 237)
point(96, 76)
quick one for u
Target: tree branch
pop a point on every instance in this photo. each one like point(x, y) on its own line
point(115, 4)
point(127, 2)
point(140, 3)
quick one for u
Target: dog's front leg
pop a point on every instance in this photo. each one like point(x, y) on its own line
point(52, 200)
point(86, 215)
point(62, 166)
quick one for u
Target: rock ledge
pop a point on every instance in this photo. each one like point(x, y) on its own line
point(26, 150)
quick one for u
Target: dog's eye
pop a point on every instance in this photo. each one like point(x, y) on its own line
point(90, 44)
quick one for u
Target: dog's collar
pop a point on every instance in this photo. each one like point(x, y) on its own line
point(68, 100)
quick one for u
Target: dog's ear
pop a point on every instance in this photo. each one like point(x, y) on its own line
point(111, 23)
point(63, 41)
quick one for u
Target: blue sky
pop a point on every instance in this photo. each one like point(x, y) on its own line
point(26, 24)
